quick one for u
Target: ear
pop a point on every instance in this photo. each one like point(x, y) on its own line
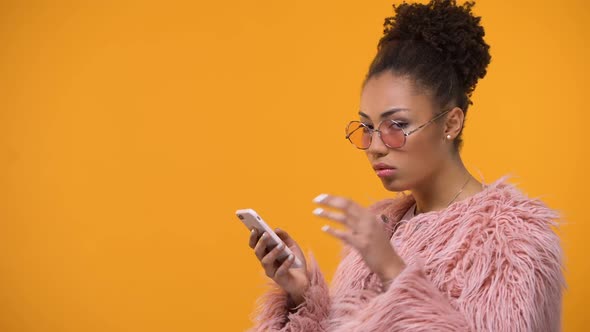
point(454, 123)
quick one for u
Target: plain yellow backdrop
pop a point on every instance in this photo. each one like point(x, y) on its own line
point(130, 132)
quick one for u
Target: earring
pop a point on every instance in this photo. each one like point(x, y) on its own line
point(448, 136)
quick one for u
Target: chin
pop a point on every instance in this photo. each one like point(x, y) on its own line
point(395, 185)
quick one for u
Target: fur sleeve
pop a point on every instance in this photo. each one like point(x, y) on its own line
point(412, 303)
point(273, 315)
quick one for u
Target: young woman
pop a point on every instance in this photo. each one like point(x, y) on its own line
point(456, 254)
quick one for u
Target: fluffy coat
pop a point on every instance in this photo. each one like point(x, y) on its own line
point(490, 262)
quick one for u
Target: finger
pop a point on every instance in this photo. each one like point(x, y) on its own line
point(260, 249)
point(341, 235)
point(283, 235)
point(334, 216)
point(269, 260)
point(346, 205)
point(254, 237)
point(282, 270)
point(291, 243)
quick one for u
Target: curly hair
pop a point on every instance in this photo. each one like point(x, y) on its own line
point(440, 45)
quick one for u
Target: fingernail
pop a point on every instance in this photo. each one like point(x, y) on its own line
point(318, 211)
point(280, 246)
point(325, 228)
point(290, 256)
point(320, 198)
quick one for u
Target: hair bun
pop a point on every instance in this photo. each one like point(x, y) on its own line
point(453, 31)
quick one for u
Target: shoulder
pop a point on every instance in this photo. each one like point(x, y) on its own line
point(509, 236)
point(502, 204)
point(503, 219)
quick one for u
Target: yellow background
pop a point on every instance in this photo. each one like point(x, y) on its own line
point(130, 132)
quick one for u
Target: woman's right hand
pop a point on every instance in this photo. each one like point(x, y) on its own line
point(294, 281)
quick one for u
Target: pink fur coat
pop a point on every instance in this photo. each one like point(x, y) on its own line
point(490, 262)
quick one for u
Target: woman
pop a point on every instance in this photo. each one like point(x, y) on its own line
point(456, 254)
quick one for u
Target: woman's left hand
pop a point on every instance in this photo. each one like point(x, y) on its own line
point(365, 232)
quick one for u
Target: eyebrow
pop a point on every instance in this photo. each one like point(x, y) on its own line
point(386, 113)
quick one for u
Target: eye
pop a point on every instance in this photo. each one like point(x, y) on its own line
point(367, 129)
point(394, 124)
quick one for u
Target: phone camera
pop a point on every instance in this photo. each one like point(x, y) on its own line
point(241, 217)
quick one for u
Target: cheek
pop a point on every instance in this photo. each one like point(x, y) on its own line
point(423, 152)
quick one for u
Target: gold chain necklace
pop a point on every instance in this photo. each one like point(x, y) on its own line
point(386, 220)
point(452, 200)
point(460, 190)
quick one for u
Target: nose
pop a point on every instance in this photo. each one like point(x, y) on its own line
point(377, 147)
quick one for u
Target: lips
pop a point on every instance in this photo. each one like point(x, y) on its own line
point(384, 170)
point(381, 166)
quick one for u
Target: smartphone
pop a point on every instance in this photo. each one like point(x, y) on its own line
point(252, 220)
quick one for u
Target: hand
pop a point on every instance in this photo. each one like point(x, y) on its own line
point(294, 281)
point(364, 232)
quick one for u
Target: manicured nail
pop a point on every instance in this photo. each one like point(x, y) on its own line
point(290, 257)
point(320, 198)
point(325, 228)
point(318, 211)
point(280, 246)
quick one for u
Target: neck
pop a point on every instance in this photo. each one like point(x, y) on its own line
point(450, 183)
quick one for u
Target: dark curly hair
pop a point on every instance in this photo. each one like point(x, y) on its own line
point(440, 45)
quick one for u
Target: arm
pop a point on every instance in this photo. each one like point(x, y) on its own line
point(274, 314)
point(411, 303)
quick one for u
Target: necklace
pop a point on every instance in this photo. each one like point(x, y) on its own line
point(412, 212)
point(452, 200)
point(460, 191)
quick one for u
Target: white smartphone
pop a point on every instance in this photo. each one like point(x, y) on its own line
point(252, 220)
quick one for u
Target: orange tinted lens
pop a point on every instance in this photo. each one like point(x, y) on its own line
point(359, 135)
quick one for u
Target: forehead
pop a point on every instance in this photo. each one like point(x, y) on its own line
point(387, 90)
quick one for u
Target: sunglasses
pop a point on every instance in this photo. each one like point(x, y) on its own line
point(390, 131)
